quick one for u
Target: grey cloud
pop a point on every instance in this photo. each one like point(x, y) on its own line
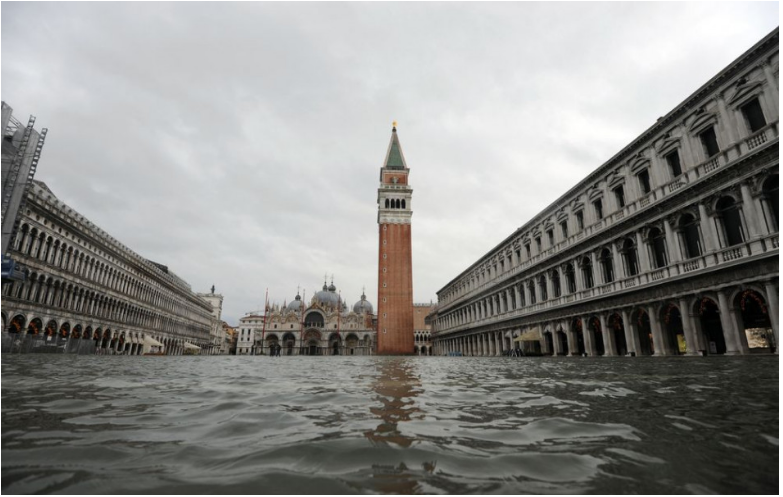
point(239, 143)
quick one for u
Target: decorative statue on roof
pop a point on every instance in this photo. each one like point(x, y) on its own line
point(213, 289)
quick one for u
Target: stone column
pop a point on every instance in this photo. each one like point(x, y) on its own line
point(556, 345)
point(655, 327)
point(571, 339)
point(498, 343)
point(707, 230)
point(750, 213)
point(587, 335)
point(772, 309)
point(609, 348)
point(728, 322)
point(517, 296)
point(691, 345)
point(578, 276)
point(631, 337)
point(641, 253)
point(671, 242)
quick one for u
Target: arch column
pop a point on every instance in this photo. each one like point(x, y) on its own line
point(631, 337)
point(749, 211)
point(587, 335)
point(772, 308)
point(691, 345)
point(731, 332)
point(655, 327)
point(571, 338)
point(609, 348)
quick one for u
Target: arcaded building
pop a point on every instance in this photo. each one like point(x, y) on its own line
point(422, 338)
point(670, 247)
point(84, 291)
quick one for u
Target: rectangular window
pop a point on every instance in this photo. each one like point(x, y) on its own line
point(710, 142)
point(753, 115)
point(644, 181)
point(551, 235)
point(580, 221)
point(527, 249)
point(538, 244)
point(599, 209)
point(619, 195)
point(564, 229)
point(673, 159)
point(519, 255)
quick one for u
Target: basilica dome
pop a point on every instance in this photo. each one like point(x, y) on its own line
point(327, 295)
point(362, 306)
point(296, 304)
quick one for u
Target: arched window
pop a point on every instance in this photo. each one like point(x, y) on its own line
point(542, 287)
point(629, 258)
point(532, 289)
point(689, 235)
point(730, 221)
point(555, 275)
point(403, 203)
point(658, 246)
point(570, 278)
point(387, 203)
point(521, 290)
point(607, 267)
point(397, 203)
point(587, 272)
point(770, 191)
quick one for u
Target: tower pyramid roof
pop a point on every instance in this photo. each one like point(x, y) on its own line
point(394, 157)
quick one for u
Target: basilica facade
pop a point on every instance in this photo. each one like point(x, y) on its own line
point(324, 326)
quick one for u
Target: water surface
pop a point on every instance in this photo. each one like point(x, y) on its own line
point(97, 424)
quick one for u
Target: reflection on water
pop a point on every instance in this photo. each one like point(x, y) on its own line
point(97, 424)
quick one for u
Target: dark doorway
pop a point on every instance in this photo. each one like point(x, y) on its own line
point(711, 327)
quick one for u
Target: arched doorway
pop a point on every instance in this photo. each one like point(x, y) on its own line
point(351, 343)
point(288, 343)
point(755, 321)
point(34, 327)
point(673, 334)
point(576, 325)
point(673, 330)
point(271, 344)
point(711, 328)
point(641, 322)
point(617, 334)
point(549, 343)
point(17, 324)
point(562, 338)
point(312, 340)
point(596, 333)
point(335, 343)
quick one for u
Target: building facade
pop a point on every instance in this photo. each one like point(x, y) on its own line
point(670, 247)
point(84, 290)
point(422, 339)
point(395, 267)
point(217, 332)
point(325, 326)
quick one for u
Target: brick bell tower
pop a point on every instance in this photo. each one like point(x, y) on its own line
point(395, 268)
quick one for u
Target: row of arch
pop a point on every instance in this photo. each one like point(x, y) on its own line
point(315, 342)
point(734, 218)
point(580, 274)
point(98, 339)
point(56, 293)
point(710, 324)
point(47, 248)
point(395, 203)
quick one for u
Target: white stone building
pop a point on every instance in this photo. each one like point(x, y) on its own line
point(324, 327)
point(86, 291)
point(217, 333)
point(670, 247)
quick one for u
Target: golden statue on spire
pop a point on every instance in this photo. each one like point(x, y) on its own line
point(394, 124)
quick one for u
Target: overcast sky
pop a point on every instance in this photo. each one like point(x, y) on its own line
point(240, 144)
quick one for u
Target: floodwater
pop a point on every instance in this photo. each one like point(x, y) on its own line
point(314, 425)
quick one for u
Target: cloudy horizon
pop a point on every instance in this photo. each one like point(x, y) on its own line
point(240, 143)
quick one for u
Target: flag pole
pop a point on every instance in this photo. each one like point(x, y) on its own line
point(266, 311)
